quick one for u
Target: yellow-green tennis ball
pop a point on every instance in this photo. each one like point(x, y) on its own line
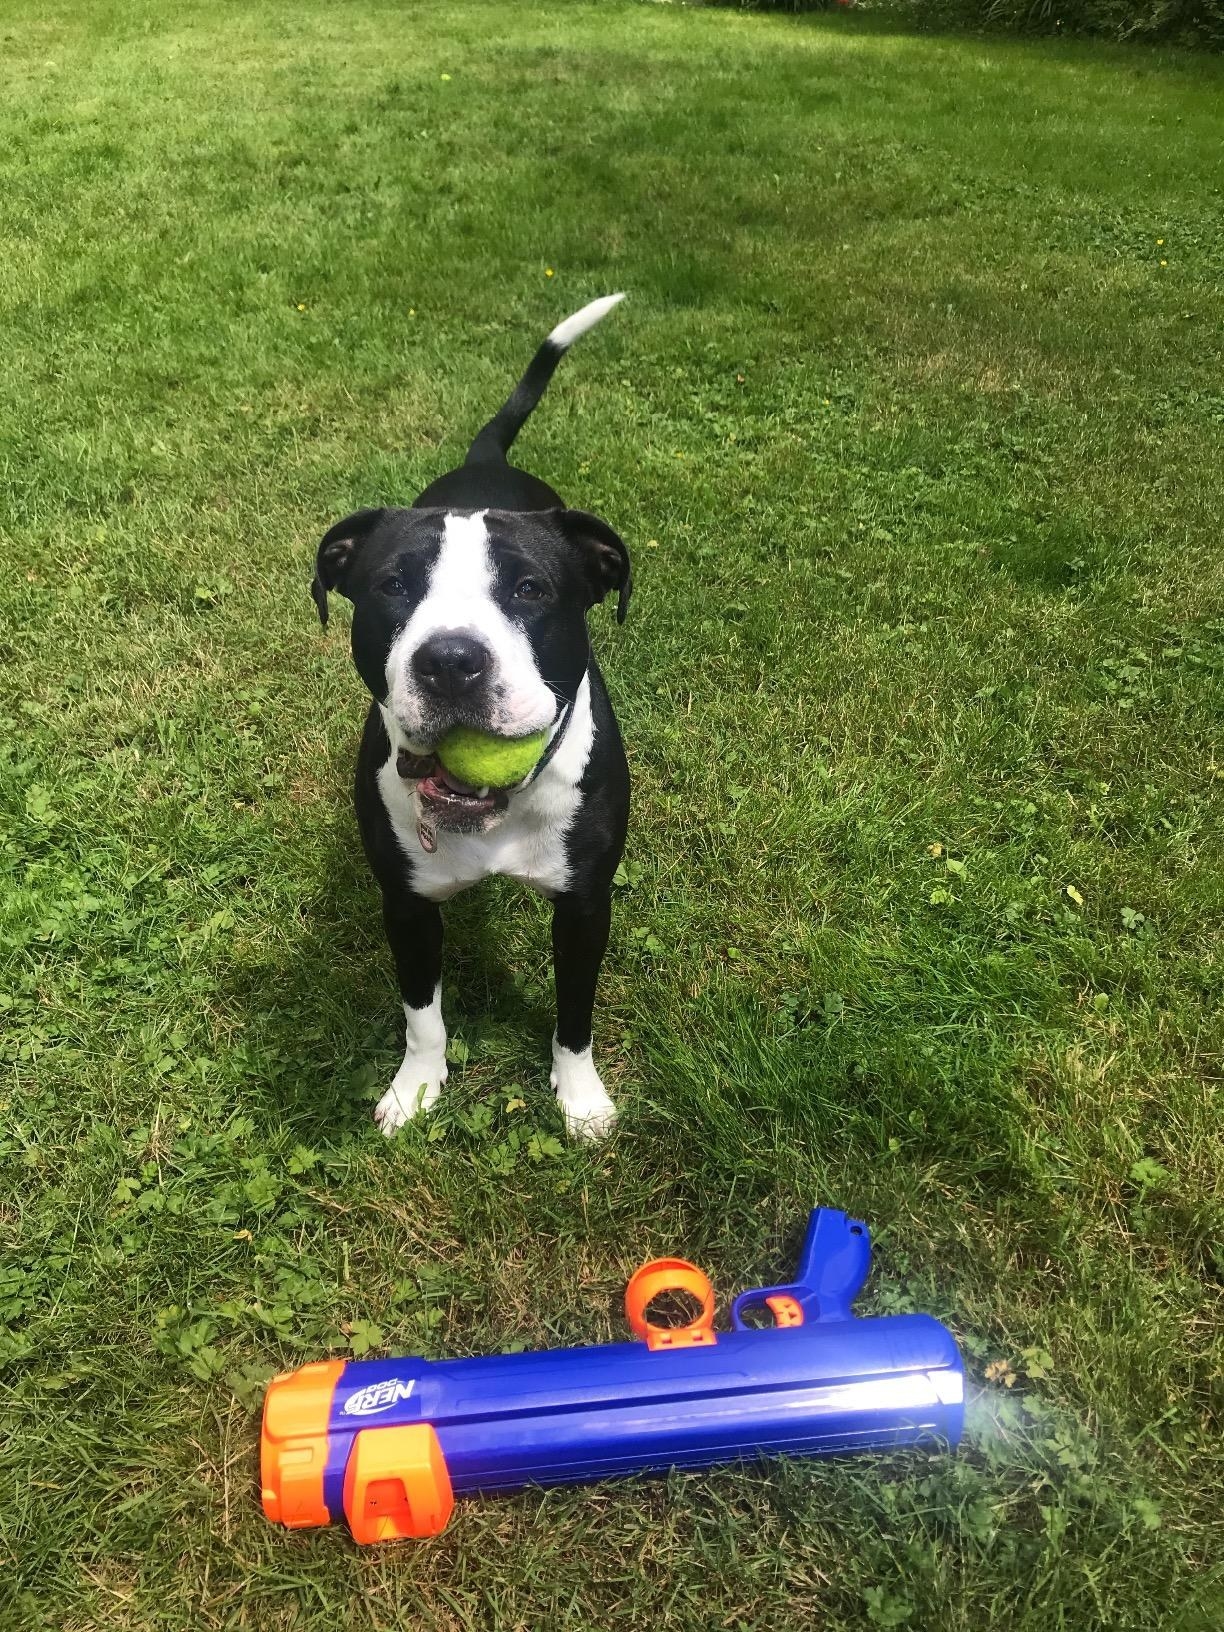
point(482, 760)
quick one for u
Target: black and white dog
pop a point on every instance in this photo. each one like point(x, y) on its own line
point(470, 609)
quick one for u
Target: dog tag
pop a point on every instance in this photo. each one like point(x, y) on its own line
point(428, 838)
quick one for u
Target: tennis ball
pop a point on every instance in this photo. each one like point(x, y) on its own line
point(482, 760)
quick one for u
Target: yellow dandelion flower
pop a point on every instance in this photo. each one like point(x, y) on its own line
point(548, 271)
point(1164, 263)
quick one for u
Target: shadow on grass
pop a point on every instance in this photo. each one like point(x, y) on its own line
point(317, 1015)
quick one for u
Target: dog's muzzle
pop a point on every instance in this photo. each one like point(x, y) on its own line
point(446, 799)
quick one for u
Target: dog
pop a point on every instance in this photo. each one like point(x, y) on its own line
point(470, 608)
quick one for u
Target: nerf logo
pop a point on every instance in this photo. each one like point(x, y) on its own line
point(378, 1397)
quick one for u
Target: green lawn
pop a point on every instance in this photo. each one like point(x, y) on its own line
point(913, 420)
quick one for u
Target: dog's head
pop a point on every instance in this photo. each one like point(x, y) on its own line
point(474, 618)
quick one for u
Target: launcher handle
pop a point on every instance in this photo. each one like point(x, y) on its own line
point(833, 1264)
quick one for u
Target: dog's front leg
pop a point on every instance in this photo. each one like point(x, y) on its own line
point(414, 929)
point(580, 935)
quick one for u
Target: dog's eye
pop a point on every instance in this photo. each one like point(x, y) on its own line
point(393, 586)
point(529, 589)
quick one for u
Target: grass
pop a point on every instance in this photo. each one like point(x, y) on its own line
point(913, 421)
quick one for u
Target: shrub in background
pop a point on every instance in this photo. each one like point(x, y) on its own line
point(1187, 22)
point(1190, 22)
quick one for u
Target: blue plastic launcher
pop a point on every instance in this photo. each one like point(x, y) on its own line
point(390, 1443)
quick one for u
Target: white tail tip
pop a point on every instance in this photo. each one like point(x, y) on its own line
point(566, 333)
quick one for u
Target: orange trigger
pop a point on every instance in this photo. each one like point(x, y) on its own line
point(786, 1311)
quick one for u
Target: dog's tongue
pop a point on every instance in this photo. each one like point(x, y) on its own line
point(434, 780)
point(456, 784)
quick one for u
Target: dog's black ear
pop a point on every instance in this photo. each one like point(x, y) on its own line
point(607, 559)
point(337, 554)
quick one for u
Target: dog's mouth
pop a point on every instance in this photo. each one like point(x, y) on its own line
point(448, 799)
point(457, 803)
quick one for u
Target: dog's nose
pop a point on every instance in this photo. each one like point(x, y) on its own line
point(450, 664)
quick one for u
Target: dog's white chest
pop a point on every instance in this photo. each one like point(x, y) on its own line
point(528, 844)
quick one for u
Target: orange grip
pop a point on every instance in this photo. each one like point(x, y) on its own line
point(397, 1484)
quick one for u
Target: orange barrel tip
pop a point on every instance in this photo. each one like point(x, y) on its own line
point(293, 1444)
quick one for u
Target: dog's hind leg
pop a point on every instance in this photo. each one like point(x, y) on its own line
point(414, 929)
point(580, 936)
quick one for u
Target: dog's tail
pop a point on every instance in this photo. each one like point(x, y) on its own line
point(493, 442)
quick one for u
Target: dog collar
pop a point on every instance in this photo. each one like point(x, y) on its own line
point(567, 714)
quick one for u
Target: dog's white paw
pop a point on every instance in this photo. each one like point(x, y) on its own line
point(417, 1084)
point(584, 1102)
point(419, 1080)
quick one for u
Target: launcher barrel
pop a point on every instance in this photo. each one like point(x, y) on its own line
point(389, 1443)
